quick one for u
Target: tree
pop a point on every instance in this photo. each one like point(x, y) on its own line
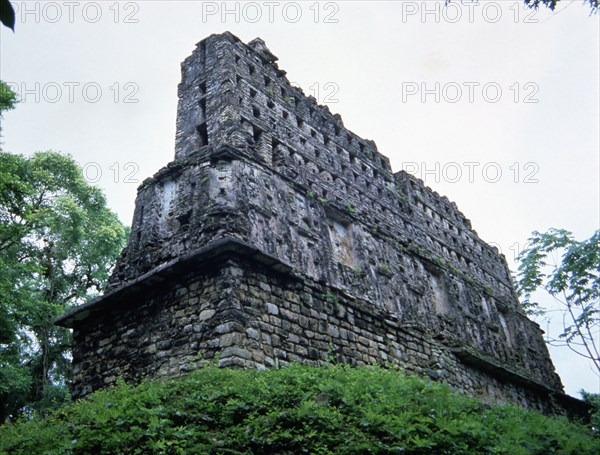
point(594, 400)
point(58, 242)
point(573, 282)
point(8, 100)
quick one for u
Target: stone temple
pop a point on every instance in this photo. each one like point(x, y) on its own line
point(277, 235)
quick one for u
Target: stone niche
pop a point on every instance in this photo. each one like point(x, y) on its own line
point(277, 235)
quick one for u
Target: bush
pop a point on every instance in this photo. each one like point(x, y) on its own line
point(594, 400)
point(298, 409)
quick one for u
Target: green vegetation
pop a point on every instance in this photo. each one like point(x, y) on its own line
point(440, 262)
point(267, 209)
point(331, 298)
point(418, 249)
point(58, 242)
point(455, 270)
point(400, 193)
point(594, 400)
point(401, 247)
point(357, 271)
point(573, 283)
point(488, 290)
point(8, 100)
point(384, 269)
point(297, 409)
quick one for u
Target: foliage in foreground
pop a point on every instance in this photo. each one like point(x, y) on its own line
point(298, 409)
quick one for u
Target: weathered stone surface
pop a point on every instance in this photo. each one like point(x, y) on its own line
point(278, 235)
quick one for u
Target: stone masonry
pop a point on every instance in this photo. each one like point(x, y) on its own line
point(277, 235)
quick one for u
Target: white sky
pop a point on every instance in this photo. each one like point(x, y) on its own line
point(369, 61)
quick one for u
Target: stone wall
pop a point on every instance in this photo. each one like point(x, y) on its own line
point(376, 267)
point(231, 310)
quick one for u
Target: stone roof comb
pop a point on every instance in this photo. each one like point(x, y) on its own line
point(259, 46)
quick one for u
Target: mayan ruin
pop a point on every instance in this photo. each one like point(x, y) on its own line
point(277, 235)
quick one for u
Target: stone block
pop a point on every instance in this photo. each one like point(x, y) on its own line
point(272, 309)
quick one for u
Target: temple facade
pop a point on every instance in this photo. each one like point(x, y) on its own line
point(277, 235)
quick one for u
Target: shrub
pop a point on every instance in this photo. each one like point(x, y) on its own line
point(297, 409)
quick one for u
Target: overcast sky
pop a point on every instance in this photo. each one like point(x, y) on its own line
point(494, 105)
